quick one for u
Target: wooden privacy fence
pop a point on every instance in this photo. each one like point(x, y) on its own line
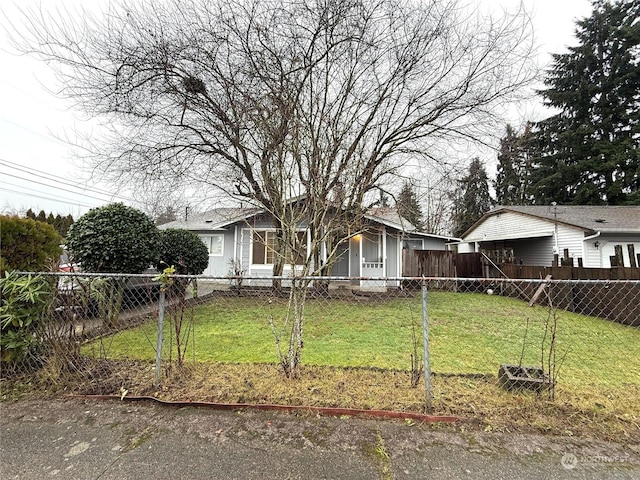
point(440, 263)
point(613, 301)
point(566, 273)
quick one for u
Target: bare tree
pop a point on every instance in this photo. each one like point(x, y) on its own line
point(436, 203)
point(272, 100)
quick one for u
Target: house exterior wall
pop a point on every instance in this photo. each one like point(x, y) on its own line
point(533, 251)
point(534, 240)
point(391, 264)
point(219, 262)
point(606, 248)
point(384, 250)
point(507, 224)
point(341, 267)
point(466, 247)
point(424, 243)
point(434, 243)
point(571, 239)
point(354, 257)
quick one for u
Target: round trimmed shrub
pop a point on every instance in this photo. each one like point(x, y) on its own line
point(184, 250)
point(114, 239)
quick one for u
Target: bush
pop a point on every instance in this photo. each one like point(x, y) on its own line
point(25, 300)
point(184, 250)
point(28, 245)
point(114, 239)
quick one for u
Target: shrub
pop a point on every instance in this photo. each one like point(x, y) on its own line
point(28, 245)
point(184, 250)
point(114, 239)
point(25, 300)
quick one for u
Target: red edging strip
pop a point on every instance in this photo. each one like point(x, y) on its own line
point(329, 411)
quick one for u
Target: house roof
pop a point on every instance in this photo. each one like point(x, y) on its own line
point(591, 218)
point(220, 218)
point(390, 217)
point(216, 219)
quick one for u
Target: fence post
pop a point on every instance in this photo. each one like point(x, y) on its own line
point(160, 335)
point(425, 339)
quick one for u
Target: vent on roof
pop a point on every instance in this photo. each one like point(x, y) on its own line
point(600, 220)
point(211, 221)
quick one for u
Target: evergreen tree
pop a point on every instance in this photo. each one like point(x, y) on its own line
point(472, 199)
point(61, 224)
point(513, 178)
point(409, 207)
point(68, 221)
point(590, 150)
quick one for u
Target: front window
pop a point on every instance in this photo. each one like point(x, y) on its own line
point(265, 248)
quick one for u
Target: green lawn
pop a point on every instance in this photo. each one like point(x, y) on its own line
point(469, 333)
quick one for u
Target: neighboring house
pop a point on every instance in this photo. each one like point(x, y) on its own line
point(531, 235)
point(242, 240)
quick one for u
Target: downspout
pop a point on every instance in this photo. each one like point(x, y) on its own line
point(360, 255)
point(399, 254)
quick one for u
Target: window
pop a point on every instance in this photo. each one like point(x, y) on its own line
point(265, 248)
point(214, 243)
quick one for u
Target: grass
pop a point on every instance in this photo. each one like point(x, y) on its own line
point(357, 355)
point(469, 334)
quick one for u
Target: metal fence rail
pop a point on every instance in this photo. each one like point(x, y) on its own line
point(485, 339)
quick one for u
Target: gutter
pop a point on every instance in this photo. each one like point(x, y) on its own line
point(596, 235)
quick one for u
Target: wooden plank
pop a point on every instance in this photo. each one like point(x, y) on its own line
point(619, 257)
point(632, 255)
point(541, 288)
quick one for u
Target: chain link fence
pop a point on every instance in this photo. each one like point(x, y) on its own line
point(555, 350)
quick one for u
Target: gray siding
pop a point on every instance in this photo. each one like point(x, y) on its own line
point(219, 264)
point(392, 256)
point(434, 244)
point(535, 251)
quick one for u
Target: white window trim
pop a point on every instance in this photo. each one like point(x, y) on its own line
point(251, 231)
point(210, 248)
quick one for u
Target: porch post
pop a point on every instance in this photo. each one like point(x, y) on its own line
point(360, 242)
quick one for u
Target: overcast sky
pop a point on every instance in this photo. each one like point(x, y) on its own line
point(39, 171)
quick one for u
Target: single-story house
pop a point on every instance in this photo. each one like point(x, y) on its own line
point(532, 235)
point(242, 239)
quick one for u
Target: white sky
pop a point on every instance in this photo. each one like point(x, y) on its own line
point(39, 171)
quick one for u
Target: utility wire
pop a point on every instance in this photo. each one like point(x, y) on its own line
point(56, 187)
point(51, 196)
point(67, 201)
point(26, 190)
point(63, 180)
